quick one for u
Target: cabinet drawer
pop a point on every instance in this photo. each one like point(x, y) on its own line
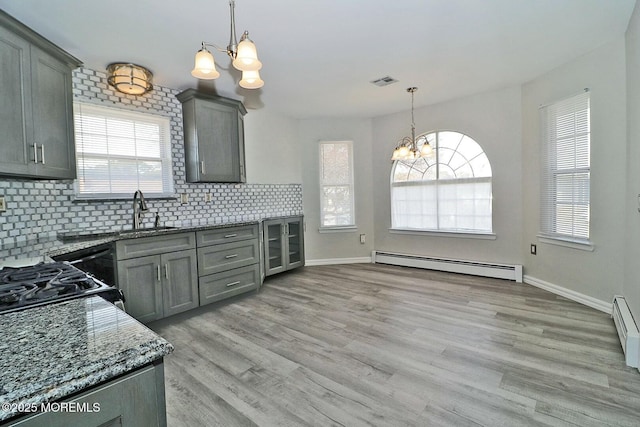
point(216, 258)
point(154, 245)
point(217, 236)
point(218, 286)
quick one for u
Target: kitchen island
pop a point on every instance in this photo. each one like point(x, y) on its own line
point(83, 362)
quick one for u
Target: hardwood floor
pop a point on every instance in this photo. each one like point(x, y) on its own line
point(370, 344)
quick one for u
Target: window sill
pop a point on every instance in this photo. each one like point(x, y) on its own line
point(343, 229)
point(581, 245)
point(455, 234)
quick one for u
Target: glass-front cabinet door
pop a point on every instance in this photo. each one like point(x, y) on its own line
point(295, 243)
point(274, 247)
point(283, 244)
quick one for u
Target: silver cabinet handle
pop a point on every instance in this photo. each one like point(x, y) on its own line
point(231, 256)
point(202, 170)
point(35, 152)
point(158, 273)
point(228, 285)
point(166, 271)
point(228, 236)
point(42, 153)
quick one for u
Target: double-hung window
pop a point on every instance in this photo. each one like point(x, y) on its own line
point(336, 185)
point(566, 163)
point(120, 151)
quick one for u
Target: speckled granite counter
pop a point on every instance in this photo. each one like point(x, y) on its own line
point(48, 245)
point(49, 352)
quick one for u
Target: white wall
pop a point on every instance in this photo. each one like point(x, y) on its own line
point(271, 148)
point(493, 119)
point(597, 274)
point(631, 288)
point(320, 247)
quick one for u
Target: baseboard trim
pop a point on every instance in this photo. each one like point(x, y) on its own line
point(337, 261)
point(603, 306)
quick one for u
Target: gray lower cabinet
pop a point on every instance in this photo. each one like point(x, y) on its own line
point(228, 262)
point(218, 286)
point(213, 137)
point(162, 283)
point(36, 115)
point(134, 400)
point(283, 244)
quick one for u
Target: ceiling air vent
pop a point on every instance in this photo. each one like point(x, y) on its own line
point(384, 81)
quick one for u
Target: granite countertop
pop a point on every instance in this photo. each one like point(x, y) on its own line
point(43, 247)
point(52, 351)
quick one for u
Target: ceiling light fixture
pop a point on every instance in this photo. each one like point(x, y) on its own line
point(129, 78)
point(243, 55)
point(407, 148)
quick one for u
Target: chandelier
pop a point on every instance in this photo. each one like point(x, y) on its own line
point(407, 148)
point(243, 55)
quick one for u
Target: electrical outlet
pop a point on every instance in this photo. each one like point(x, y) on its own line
point(363, 238)
point(184, 198)
point(534, 249)
point(3, 206)
point(208, 197)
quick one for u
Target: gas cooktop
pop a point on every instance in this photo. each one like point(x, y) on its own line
point(44, 283)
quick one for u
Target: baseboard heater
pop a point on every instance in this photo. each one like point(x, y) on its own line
point(476, 268)
point(627, 330)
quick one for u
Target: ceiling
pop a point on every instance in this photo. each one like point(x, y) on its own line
point(319, 56)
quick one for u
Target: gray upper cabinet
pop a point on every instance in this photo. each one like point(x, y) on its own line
point(36, 114)
point(213, 137)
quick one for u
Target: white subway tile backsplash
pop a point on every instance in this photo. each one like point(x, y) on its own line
point(37, 207)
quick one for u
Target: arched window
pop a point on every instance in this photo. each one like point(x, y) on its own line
point(448, 191)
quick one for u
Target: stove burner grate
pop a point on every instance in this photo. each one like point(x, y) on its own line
point(42, 282)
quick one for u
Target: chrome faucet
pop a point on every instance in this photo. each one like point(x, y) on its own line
point(139, 206)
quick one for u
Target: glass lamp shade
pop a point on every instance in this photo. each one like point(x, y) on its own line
point(426, 150)
point(205, 66)
point(247, 56)
point(251, 80)
point(129, 78)
point(404, 152)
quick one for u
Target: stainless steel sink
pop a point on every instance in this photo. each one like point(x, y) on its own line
point(91, 234)
point(147, 229)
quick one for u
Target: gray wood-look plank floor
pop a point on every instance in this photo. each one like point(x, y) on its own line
point(370, 344)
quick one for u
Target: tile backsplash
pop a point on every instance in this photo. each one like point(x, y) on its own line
point(35, 208)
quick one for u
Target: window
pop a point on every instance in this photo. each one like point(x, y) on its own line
point(120, 151)
point(566, 162)
point(336, 184)
point(449, 191)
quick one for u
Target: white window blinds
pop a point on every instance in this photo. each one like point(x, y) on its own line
point(120, 151)
point(336, 184)
point(566, 163)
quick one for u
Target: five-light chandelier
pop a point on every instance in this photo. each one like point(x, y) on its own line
point(407, 147)
point(243, 55)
